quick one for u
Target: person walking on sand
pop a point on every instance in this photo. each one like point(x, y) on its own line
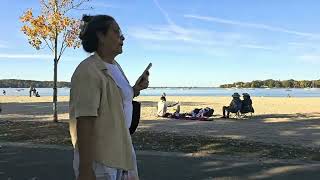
point(4, 92)
point(30, 91)
point(101, 105)
point(34, 91)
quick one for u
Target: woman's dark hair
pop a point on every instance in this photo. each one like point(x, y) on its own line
point(92, 25)
point(163, 98)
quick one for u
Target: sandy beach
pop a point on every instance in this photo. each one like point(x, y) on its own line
point(276, 120)
point(263, 105)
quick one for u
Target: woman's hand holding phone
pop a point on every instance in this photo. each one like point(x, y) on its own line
point(143, 80)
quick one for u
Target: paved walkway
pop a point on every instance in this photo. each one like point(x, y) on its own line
point(281, 129)
point(24, 162)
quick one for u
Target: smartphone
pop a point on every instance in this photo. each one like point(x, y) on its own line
point(147, 69)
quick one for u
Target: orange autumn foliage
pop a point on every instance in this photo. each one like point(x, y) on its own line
point(52, 23)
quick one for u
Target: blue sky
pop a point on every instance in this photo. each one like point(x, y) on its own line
point(190, 43)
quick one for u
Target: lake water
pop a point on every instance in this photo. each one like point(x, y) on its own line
point(259, 92)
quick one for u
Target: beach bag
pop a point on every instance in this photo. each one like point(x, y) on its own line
point(135, 116)
point(194, 112)
point(208, 112)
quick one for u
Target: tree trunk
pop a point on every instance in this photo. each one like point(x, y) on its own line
point(55, 91)
point(55, 73)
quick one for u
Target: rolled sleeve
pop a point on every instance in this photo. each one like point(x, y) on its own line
point(85, 95)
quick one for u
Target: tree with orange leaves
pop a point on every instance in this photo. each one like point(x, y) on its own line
point(55, 30)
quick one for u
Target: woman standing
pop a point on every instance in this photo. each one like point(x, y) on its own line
point(101, 105)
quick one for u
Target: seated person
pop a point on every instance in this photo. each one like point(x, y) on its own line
point(37, 94)
point(246, 104)
point(234, 106)
point(163, 106)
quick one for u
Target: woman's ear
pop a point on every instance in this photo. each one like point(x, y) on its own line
point(100, 36)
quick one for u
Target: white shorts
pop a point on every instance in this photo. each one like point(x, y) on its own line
point(103, 172)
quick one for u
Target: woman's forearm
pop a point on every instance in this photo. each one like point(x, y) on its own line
point(84, 133)
point(136, 91)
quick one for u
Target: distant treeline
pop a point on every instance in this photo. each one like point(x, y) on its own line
point(270, 83)
point(16, 83)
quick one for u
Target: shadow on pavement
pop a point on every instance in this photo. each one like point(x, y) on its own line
point(20, 163)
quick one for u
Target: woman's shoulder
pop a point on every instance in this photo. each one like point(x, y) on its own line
point(91, 63)
point(88, 67)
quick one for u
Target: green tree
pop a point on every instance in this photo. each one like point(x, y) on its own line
point(256, 84)
point(269, 83)
point(277, 84)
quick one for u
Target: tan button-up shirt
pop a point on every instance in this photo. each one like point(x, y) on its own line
point(94, 93)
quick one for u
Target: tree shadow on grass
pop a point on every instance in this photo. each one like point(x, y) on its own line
point(32, 111)
point(35, 132)
point(270, 135)
point(38, 108)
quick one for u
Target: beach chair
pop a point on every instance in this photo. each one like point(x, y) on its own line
point(246, 115)
point(235, 115)
point(241, 114)
point(246, 112)
point(246, 109)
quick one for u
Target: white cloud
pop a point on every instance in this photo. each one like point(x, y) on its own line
point(251, 25)
point(102, 5)
point(25, 56)
point(164, 33)
point(164, 13)
point(3, 44)
point(199, 37)
point(310, 58)
point(186, 48)
point(299, 44)
point(306, 44)
point(190, 36)
point(69, 58)
point(172, 27)
point(253, 46)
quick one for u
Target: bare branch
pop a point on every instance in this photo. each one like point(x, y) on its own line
point(76, 6)
point(47, 44)
point(61, 51)
point(44, 4)
point(52, 43)
point(63, 46)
